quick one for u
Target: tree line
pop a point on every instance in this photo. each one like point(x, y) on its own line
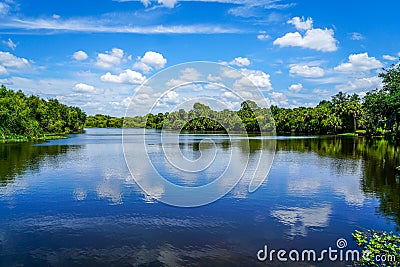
point(31, 117)
point(378, 113)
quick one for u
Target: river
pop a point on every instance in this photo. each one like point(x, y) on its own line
point(73, 202)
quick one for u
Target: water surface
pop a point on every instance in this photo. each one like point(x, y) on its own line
point(73, 202)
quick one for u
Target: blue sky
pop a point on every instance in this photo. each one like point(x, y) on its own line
point(94, 54)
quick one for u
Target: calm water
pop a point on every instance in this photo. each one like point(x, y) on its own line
point(73, 202)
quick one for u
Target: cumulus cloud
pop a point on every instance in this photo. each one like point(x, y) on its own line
point(359, 62)
point(253, 78)
point(301, 24)
point(151, 60)
point(171, 98)
point(83, 88)
point(123, 103)
point(3, 71)
point(126, 77)
point(186, 75)
point(279, 99)
point(239, 61)
point(213, 78)
point(154, 59)
point(227, 72)
point(110, 59)
point(80, 55)
point(10, 44)
point(365, 84)
point(317, 39)
point(306, 71)
point(190, 74)
point(9, 60)
point(297, 87)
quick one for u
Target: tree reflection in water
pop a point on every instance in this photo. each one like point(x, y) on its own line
point(380, 159)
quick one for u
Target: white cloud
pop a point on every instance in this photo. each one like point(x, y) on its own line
point(126, 77)
point(279, 99)
point(306, 71)
point(227, 72)
point(83, 88)
point(322, 92)
point(263, 36)
point(167, 3)
point(266, 4)
point(213, 78)
point(3, 71)
point(364, 84)
point(297, 87)
point(317, 39)
point(249, 9)
point(356, 36)
point(56, 16)
point(121, 103)
point(4, 8)
point(301, 24)
point(10, 44)
point(240, 62)
point(80, 55)
point(139, 65)
point(170, 98)
point(109, 59)
point(229, 95)
point(253, 78)
point(9, 60)
point(389, 57)
point(151, 60)
point(94, 25)
point(186, 76)
point(146, 3)
point(359, 62)
point(154, 59)
point(190, 74)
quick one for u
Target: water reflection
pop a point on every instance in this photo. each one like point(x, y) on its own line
point(83, 207)
point(301, 220)
point(374, 160)
point(16, 159)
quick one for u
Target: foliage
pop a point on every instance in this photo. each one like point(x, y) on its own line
point(382, 106)
point(340, 115)
point(32, 117)
point(378, 248)
point(103, 121)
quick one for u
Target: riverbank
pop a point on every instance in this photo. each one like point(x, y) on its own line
point(28, 138)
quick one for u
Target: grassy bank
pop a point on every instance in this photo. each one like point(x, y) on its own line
point(28, 138)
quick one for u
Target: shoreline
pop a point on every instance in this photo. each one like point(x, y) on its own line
point(26, 139)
